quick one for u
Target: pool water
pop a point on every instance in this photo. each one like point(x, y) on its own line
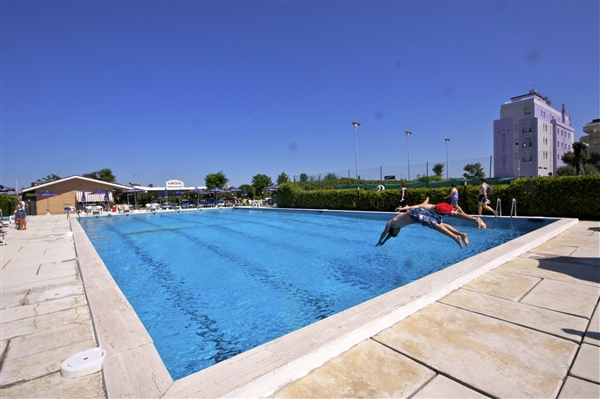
point(210, 285)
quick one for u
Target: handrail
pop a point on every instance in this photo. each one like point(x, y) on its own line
point(513, 207)
point(498, 207)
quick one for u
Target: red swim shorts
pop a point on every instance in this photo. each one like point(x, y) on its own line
point(444, 209)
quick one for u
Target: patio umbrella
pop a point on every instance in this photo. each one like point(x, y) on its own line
point(233, 190)
point(83, 199)
point(244, 193)
point(47, 194)
point(106, 196)
point(215, 190)
point(4, 189)
point(199, 191)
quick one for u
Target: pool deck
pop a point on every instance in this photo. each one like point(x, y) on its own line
point(517, 321)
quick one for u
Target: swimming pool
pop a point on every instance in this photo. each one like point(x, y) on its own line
point(209, 285)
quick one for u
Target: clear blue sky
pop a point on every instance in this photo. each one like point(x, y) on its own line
point(160, 89)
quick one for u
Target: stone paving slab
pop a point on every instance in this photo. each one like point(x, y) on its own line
point(79, 315)
point(567, 297)
point(587, 364)
point(506, 285)
point(444, 388)
point(561, 269)
point(89, 387)
point(493, 356)
point(40, 308)
point(537, 318)
point(38, 364)
point(46, 293)
point(575, 388)
point(592, 335)
point(369, 370)
point(41, 341)
point(10, 299)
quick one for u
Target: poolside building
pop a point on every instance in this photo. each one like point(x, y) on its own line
point(531, 137)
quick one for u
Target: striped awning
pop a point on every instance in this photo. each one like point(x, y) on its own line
point(89, 197)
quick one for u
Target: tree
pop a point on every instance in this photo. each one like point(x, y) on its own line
point(215, 180)
point(249, 190)
point(48, 179)
point(438, 169)
point(567, 170)
point(283, 178)
point(260, 182)
point(578, 157)
point(330, 177)
point(102, 174)
point(473, 170)
point(303, 177)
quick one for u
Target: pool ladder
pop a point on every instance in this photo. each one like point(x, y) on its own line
point(513, 207)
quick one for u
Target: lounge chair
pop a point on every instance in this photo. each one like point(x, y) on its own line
point(210, 202)
point(5, 223)
point(220, 203)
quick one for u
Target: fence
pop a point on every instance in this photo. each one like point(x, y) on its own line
point(454, 170)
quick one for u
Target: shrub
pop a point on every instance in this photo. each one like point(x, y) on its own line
point(566, 196)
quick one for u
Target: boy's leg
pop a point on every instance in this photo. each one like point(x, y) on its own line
point(453, 230)
point(443, 228)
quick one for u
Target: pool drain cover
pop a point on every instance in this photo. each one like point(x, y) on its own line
point(83, 363)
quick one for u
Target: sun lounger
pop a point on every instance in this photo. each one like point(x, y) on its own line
point(5, 223)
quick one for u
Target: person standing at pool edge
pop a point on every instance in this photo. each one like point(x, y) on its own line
point(403, 195)
point(453, 196)
point(482, 200)
point(426, 218)
point(20, 211)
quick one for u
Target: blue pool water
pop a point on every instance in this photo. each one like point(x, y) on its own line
point(209, 285)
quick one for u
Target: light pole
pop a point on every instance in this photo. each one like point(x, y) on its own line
point(356, 125)
point(447, 141)
point(408, 141)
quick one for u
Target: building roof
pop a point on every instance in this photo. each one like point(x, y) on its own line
point(75, 182)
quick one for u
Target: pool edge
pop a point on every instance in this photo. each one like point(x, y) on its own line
point(134, 368)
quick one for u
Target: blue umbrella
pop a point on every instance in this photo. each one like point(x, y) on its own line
point(4, 189)
point(47, 194)
point(244, 193)
point(83, 199)
point(215, 190)
point(199, 191)
point(106, 198)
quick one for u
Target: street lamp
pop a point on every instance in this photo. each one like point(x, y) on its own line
point(408, 141)
point(447, 141)
point(356, 125)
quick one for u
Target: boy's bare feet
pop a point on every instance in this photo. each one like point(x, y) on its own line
point(458, 241)
point(481, 223)
point(465, 238)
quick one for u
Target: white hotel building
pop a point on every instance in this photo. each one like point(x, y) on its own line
point(531, 137)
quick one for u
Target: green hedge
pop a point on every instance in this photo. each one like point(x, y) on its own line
point(567, 196)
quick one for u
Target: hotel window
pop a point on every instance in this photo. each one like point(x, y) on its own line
point(528, 110)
